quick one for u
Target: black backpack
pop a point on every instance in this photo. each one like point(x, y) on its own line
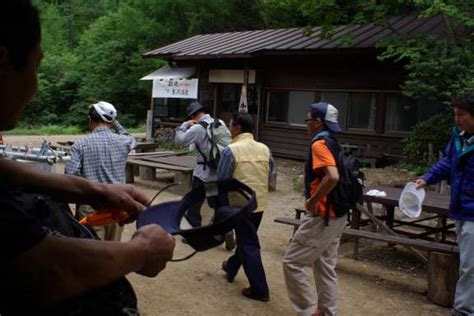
point(349, 188)
point(117, 298)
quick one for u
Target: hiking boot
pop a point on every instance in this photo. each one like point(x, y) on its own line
point(247, 292)
point(224, 267)
point(229, 241)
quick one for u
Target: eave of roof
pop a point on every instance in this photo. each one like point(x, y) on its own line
point(249, 44)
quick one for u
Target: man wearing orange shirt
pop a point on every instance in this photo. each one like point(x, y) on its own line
point(315, 244)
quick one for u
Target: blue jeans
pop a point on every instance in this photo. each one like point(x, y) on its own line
point(247, 254)
point(464, 298)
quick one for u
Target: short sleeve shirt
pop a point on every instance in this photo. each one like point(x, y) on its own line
point(322, 157)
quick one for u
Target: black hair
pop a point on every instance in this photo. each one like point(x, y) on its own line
point(465, 102)
point(94, 115)
point(20, 30)
point(244, 121)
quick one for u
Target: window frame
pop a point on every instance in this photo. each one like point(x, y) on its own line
point(377, 96)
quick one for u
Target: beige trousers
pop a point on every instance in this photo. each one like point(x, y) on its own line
point(313, 245)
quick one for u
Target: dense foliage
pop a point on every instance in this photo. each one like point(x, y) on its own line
point(93, 50)
point(93, 47)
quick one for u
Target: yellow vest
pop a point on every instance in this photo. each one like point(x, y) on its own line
point(251, 166)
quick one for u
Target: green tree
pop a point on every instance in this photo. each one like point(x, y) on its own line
point(438, 67)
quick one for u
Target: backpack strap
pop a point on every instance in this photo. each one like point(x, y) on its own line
point(335, 148)
point(205, 163)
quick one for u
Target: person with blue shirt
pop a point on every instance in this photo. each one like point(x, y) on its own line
point(458, 166)
point(251, 162)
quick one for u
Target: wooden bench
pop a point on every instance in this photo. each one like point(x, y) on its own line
point(351, 232)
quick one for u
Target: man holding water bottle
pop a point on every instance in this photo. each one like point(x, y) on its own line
point(458, 166)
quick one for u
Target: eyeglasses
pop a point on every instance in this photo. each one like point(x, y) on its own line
point(310, 119)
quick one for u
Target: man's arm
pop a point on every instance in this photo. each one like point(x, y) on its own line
point(120, 130)
point(225, 170)
point(186, 133)
point(74, 189)
point(58, 268)
point(74, 166)
point(328, 182)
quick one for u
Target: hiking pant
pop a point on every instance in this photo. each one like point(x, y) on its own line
point(247, 254)
point(313, 245)
point(464, 297)
point(193, 215)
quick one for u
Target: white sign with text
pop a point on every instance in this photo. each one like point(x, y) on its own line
point(178, 88)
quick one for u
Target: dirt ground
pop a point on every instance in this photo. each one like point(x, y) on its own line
point(384, 281)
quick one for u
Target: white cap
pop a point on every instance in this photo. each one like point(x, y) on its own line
point(106, 111)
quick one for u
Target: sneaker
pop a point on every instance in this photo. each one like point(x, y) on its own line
point(247, 292)
point(224, 267)
point(229, 241)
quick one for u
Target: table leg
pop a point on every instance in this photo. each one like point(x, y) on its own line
point(355, 223)
point(390, 218)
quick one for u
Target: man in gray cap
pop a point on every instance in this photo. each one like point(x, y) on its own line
point(315, 243)
point(194, 132)
point(101, 157)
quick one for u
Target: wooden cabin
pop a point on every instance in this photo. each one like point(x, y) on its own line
point(285, 70)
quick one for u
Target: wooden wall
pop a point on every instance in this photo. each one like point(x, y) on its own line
point(336, 70)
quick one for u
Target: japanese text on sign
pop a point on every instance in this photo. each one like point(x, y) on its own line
point(179, 88)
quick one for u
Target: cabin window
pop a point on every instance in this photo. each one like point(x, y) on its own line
point(362, 111)
point(403, 113)
point(341, 101)
point(289, 106)
point(278, 106)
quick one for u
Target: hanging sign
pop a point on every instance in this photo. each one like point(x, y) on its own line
point(175, 88)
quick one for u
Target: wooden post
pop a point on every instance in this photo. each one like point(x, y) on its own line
point(442, 276)
point(149, 125)
point(129, 173)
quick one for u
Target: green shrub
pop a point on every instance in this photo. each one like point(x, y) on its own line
point(435, 131)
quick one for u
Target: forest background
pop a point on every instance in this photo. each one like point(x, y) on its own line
point(92, 48)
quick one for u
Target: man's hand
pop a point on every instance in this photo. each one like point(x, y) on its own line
point(312, 206)
point(124, 197)
point(420, 183)
point(191, 122)
point(157, 246)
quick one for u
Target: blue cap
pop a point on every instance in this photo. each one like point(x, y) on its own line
point(328, 113)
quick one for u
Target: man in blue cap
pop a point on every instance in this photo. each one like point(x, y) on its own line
point(315, 244)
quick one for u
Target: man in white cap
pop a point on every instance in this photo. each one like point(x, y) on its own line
point(316, 241)
point(101, 157)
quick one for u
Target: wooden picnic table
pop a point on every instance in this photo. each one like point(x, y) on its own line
point(441, 254)
point(180, 163)
point(434, 207)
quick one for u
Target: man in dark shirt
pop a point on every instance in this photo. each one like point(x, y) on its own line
point(39, 268)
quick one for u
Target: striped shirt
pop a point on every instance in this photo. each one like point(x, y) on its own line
point(102, 155)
